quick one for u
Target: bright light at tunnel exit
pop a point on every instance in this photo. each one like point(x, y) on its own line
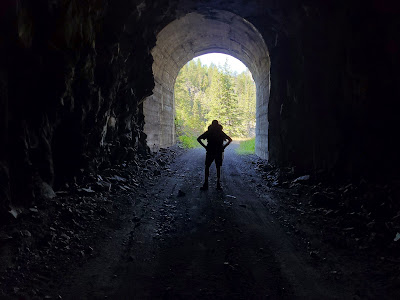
point(219, 59)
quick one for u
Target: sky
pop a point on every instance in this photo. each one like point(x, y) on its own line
point(219, 59)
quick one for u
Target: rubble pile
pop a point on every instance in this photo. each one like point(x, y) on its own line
point(363, 215)
point(56, 234)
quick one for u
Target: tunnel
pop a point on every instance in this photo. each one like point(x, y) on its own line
point(99, 83)
point(89, 165)
point(194, 35)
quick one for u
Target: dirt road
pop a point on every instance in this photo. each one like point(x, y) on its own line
point(183, 243)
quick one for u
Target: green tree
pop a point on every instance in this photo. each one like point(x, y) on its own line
point(203, 94)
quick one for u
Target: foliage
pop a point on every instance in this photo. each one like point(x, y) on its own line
point(189, 141)
point(247, 147)
point(204, 93)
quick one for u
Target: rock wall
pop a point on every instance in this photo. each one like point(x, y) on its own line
point(72, 79)
point(332, 106)
point(262, 120)
point(159, 111)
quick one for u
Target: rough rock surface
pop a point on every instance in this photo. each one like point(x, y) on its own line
point(46, 242)
point(73, 88)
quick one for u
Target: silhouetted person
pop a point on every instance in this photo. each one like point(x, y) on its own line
point(215, 148)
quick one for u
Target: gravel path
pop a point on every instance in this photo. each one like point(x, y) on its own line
point(183, 243)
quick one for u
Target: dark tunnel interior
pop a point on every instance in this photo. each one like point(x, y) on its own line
point(87, 88)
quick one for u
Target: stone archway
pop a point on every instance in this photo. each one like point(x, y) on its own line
point(193, 35)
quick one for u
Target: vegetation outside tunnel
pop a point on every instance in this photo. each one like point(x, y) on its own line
point(247, 146)
point(204, 93)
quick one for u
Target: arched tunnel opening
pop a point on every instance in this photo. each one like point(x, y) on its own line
point(211, 87)
point(92, 184)
point(193, 35)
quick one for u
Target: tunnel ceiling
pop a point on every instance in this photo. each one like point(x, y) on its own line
point(215, 31)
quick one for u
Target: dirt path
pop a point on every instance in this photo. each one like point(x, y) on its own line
point(202, 244)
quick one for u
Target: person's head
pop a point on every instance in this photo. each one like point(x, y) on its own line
point(215, 126)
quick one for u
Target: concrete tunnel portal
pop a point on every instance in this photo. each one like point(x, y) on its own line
point(196, 34)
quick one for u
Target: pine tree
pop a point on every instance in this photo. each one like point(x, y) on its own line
point(203, 94)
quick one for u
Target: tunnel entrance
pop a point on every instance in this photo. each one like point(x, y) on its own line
point(193, 35)
point(214, 87)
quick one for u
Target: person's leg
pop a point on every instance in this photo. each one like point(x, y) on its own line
point(218, 177)
point(206, 172)
point(218, 164)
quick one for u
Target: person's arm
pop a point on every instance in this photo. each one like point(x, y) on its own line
point(200, 138)
point(227, 137)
